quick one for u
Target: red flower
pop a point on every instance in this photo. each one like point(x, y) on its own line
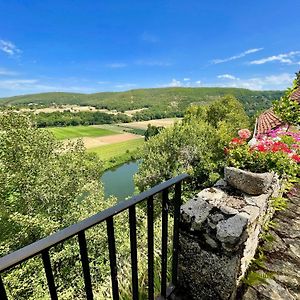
point(262, 148)
point(296, 158)
point(237, 141)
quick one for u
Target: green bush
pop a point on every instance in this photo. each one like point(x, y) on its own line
point(194, 145)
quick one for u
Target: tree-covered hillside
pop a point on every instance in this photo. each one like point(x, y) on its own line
point(159, 101)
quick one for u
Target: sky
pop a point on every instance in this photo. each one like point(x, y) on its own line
point(94, 45)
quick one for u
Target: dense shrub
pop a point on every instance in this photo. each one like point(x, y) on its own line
point(45, 186)
point(194, 145)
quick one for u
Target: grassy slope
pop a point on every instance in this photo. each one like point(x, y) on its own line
point(118, 153)
point(154, 99)
point(62, 133)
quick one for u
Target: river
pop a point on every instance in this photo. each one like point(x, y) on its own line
point(118, 182)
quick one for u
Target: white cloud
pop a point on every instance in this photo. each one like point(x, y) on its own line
point(186, 79)
point(175, 83)
point(13, 87)
point(103, 82)
point(116, 65)
point(9, 48)
point(5, 72)
point(271, 82)
point(285, 58)
point(227, 76)
point(185, 83)
point(125, 85)
point(153, 63)
point(249, 51)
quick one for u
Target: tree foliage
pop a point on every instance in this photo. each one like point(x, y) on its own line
point(287, 109)
point(156, 103)
point(46, 185)
point(194, 145)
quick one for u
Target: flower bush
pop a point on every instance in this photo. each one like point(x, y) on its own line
point(278, 151)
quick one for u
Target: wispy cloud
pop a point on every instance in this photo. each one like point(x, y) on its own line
point(275, 82)
point(149, 38)
point(234, 57)
point(186, 82)
point(9, 48)
point(116, 65)
point(125, 85)
point(5, 72)
point(285, 58)
point(21, 86)
point(227, 76)
point(103, 82)
point(153, 63)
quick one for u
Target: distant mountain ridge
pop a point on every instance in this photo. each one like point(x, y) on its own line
point(175, 99)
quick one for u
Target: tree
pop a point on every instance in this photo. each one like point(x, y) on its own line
point(152, 131)
point(297, 80)
point(287, 109)
point(45, 185)
point(194, 145)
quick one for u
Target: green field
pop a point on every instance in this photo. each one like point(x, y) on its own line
point(118, 153)
point(107, 152)
point(62, 133)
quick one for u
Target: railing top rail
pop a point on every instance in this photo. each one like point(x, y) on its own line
point(18, 256)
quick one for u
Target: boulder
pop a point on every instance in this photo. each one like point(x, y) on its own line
point(248, 182)
point(230, 230)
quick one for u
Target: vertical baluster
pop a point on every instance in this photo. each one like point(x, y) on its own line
point(49, 274)
point(85, 265)
point(164, 243)
point(2, 290)
point(133, 248)
point(150, 248)
point(177, 203)
point(112, 257)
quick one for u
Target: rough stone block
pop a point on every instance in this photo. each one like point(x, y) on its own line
point(248, 182)
point(219, 234)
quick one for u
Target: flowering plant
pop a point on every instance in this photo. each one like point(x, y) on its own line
point(244, 134)
point(278, 151)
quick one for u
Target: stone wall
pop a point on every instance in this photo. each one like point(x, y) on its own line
point(219, 233)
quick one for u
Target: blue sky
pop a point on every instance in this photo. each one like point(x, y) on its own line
point(93, 46)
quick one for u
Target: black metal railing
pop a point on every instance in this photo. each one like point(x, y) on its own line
point(43, 246)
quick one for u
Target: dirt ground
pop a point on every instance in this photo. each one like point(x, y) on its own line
point(92, 142)
point(144, 124)
point(78, 108)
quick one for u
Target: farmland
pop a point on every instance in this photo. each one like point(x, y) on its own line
point(144, 124)
point(62, 133)
point(118, 153)
point(110, 142)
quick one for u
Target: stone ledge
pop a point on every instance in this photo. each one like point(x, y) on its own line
point(219, 233)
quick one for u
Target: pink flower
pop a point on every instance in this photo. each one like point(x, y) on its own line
point(244, 134)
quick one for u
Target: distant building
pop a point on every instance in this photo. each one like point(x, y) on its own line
point(268, 120)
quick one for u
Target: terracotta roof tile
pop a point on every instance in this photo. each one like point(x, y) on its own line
point(267, 121)
point(296, 95)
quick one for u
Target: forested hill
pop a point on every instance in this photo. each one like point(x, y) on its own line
point(166, 100)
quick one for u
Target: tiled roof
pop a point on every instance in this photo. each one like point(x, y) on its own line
point(296, 95)
point(267, 121)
